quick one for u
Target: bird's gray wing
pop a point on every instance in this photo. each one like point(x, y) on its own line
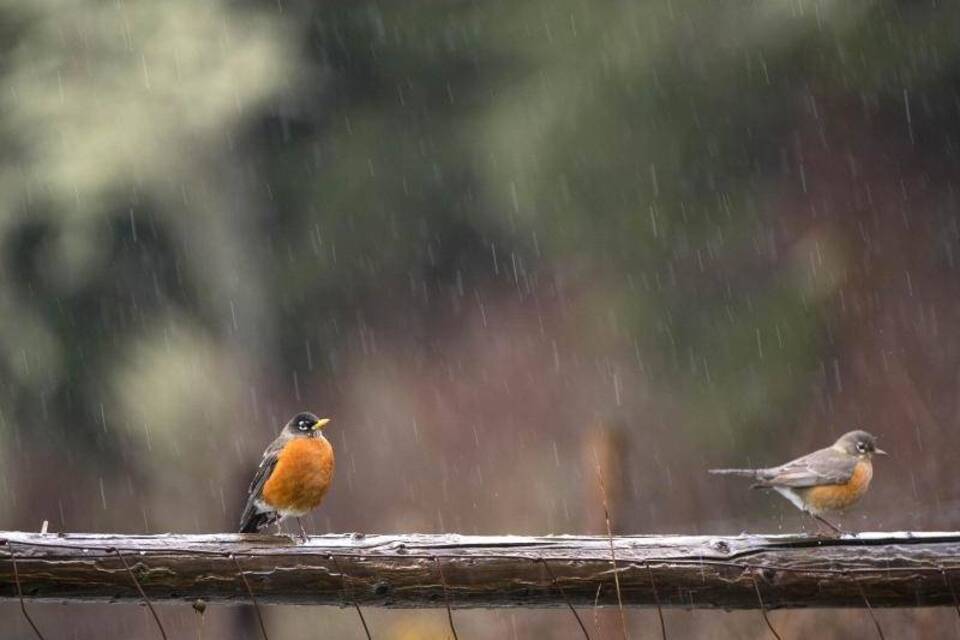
point(267, 464)
point(826, 466)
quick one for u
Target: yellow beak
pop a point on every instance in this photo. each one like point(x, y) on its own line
point(321, 423)
point(880, 452)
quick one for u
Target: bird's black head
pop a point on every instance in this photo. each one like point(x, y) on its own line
point(859, 443)
point(306, 424)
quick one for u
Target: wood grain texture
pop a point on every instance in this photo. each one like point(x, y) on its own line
point(890, 569)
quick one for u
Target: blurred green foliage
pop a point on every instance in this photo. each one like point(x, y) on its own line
point(235, 184)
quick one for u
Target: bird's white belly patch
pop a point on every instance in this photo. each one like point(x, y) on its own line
point(263, 507)
point(792, 496)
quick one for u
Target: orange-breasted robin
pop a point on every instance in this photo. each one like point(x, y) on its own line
point(829, 480)
point(293, 476)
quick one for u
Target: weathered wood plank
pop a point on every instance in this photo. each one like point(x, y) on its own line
point(888, 569)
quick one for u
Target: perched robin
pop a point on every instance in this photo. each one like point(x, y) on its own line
point(829, 480)
point(293, 476)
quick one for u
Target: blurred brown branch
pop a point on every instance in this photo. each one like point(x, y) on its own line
point(884, 569)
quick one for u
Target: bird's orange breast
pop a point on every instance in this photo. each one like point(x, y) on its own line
point(837, 497)
point(302, 476)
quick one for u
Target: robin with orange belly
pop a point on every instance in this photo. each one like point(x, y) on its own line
point(829, 480)
point(293, 476)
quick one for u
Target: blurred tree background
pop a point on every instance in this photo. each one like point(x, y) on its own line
point(496, 241)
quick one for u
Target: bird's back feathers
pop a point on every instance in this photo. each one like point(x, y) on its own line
point(825, 466)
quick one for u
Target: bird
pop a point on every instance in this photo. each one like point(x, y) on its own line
point(293, 477)
point(829, 480)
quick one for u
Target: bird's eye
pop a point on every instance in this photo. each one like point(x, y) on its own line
point(302, 424)
point(861, 447)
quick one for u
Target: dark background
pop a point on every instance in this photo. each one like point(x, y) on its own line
point(492, 240)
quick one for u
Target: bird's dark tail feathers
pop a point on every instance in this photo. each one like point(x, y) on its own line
point(254, 522)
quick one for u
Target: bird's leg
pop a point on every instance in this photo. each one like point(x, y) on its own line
point(835, 530)
point(303, 532)
point(279, 527)
point(818, 533)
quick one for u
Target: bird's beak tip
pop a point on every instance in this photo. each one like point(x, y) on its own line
point(321, 423)
point(881, 452)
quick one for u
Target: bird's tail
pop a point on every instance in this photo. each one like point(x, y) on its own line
point(254, 521)
point(746, 473)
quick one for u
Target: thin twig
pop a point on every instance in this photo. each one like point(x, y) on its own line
point(23, 607)
point(656, 598)
point(596, 609)
point(613, 557)
point(763, 610)
point(563, 594)
point(446, 600)
point(143, 594)
point(253, 598)
point(343, 588)
point(873, 616)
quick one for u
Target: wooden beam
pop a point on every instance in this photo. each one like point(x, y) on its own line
point(884, 569)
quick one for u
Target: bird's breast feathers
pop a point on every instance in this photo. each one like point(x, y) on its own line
point(301, 478)
point(837, 497)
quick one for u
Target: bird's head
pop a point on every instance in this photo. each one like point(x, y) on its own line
point(306, 425)
point(859, 443)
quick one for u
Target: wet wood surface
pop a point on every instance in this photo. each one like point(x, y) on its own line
point(882, 569)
